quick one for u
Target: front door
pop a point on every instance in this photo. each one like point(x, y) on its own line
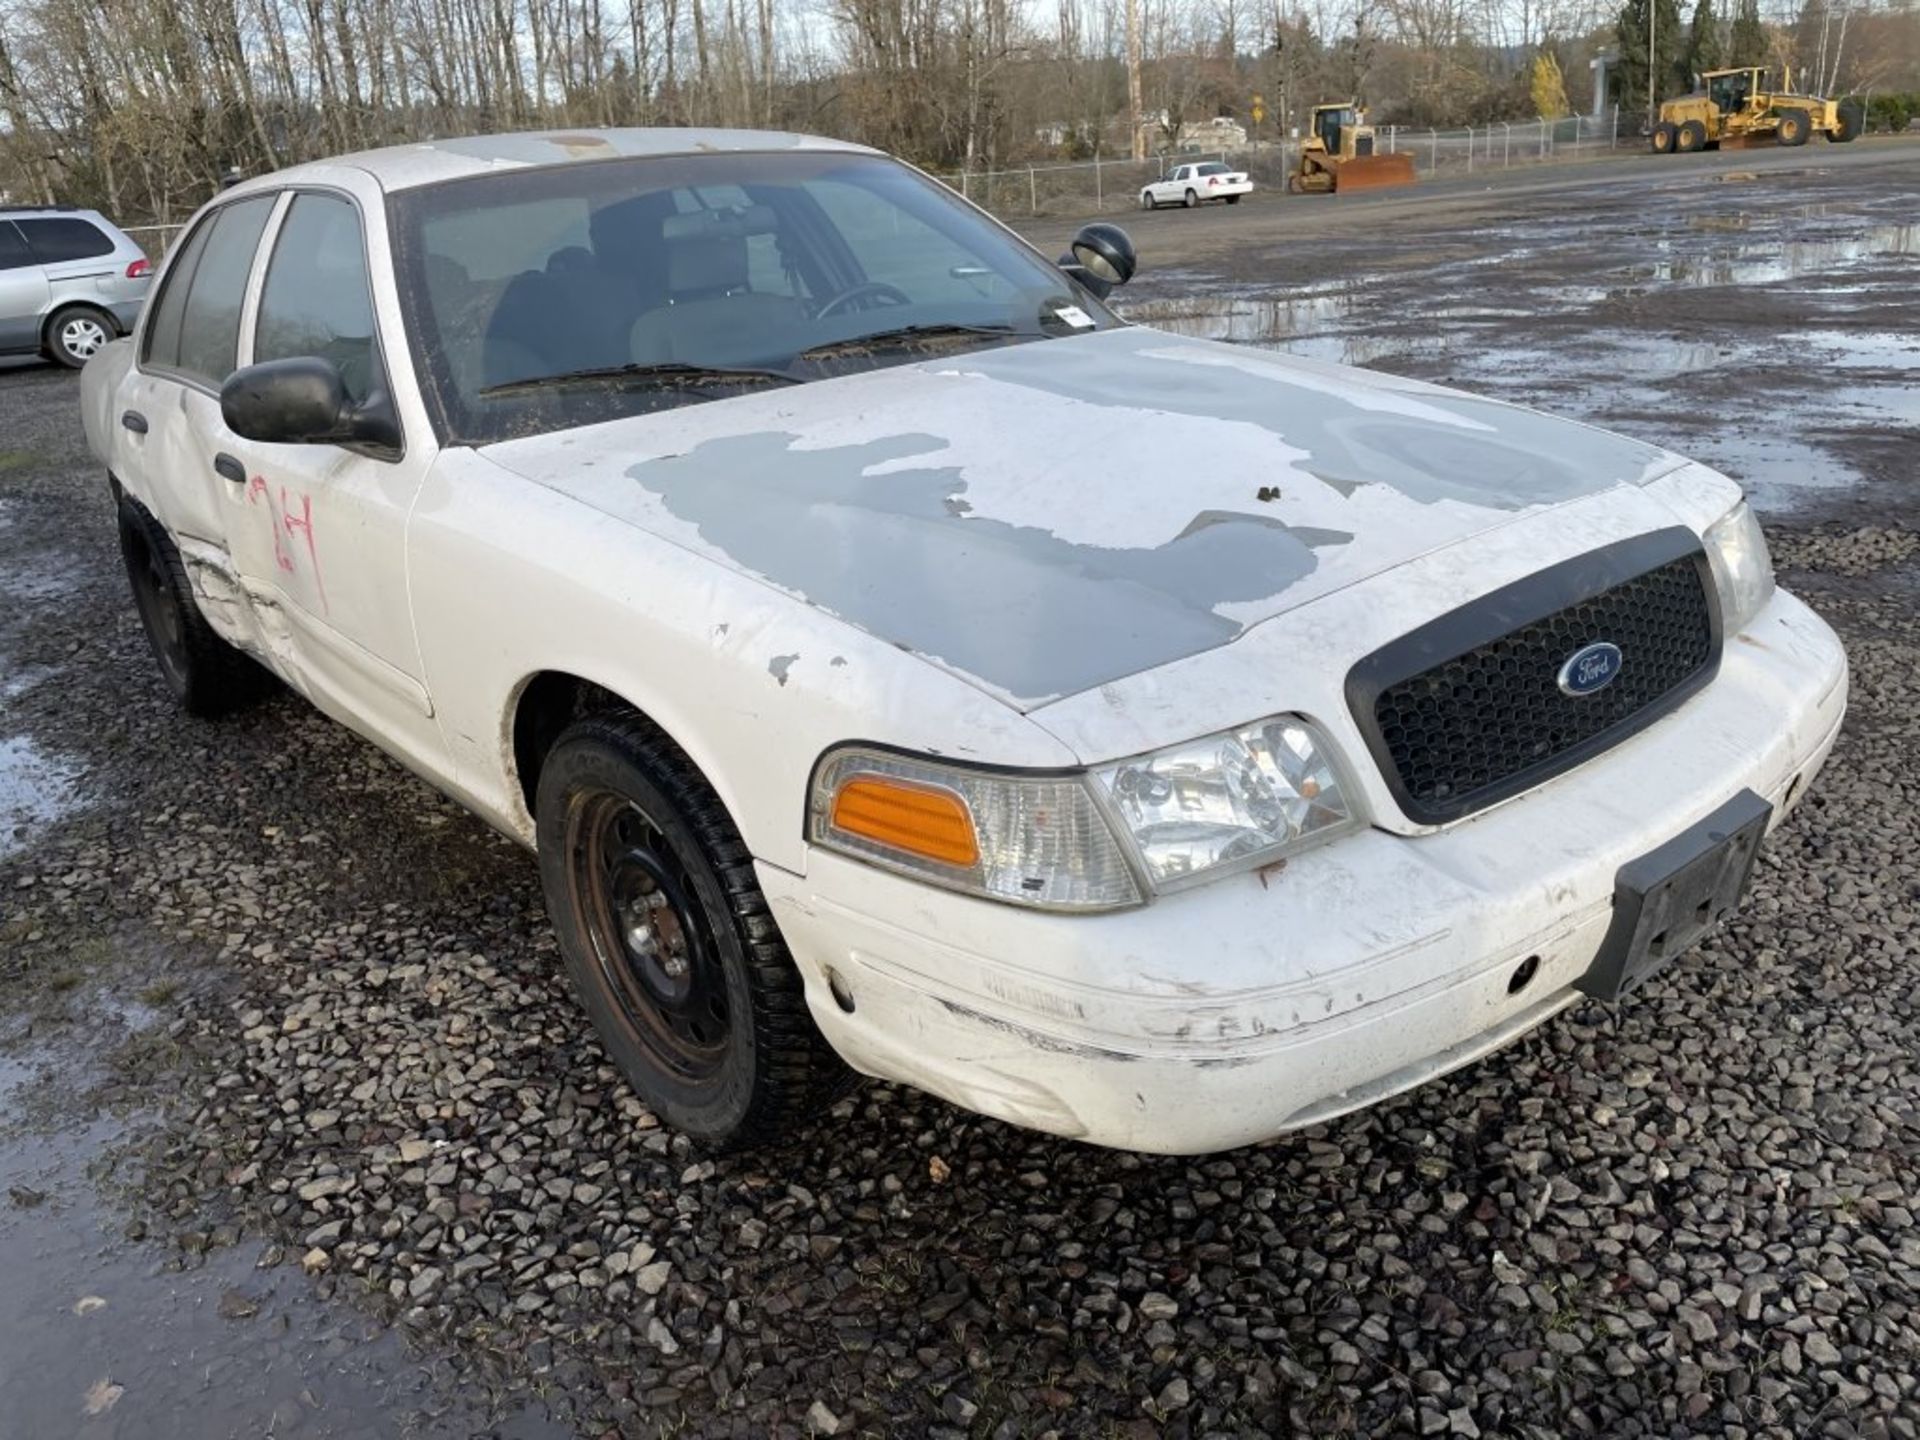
point(318, 532)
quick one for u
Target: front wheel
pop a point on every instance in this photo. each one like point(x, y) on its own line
point(1192, 199)
point(75, 335)
point(669, 941)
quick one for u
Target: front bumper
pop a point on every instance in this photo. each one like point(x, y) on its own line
point(1257, 1004)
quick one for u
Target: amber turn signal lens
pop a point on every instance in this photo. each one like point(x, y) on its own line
point(919, 819)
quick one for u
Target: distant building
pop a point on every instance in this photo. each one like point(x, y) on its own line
point(1222, 132)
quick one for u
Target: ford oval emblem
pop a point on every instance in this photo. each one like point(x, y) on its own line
point(1591, 668)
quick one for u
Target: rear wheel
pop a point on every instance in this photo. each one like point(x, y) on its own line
point(1146, 201)
point(1192, 199)
point(75, 334)
point(205, 674)
point(1852, 119)
point(1663, 138)
point(1692, 137)
point(1233, 199)
point(669, 941)
point(1795, 126)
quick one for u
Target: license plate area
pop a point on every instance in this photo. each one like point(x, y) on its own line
point(1671, 898)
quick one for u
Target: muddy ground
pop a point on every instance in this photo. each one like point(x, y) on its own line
point(300, 1133)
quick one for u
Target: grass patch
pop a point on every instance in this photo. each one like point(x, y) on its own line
point(17, 459)
point(161, 992)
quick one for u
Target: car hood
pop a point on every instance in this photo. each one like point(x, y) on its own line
point(1046, 517)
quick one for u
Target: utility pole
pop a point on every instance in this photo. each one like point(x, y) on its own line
point(1652, 104)
point(1139, 141)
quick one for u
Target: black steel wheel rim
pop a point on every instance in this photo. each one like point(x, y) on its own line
point(160, 609)
point(650, 937)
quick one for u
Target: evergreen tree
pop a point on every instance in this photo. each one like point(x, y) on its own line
point(1704, 52)
point(1749, 45)
point(1670, 74)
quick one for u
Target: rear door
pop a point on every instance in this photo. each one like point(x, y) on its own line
point(188, 346)
point(23, 292)
point(318, 532)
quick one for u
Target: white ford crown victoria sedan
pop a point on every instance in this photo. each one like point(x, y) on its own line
point(896, 659)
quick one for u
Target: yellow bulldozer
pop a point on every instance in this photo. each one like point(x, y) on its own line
point(1339, 153)
point(1737, 108)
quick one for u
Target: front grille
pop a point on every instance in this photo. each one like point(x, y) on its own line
point(1490, 719)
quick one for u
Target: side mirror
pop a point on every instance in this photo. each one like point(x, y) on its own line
point(1101, 257)
point(1106, 251)
point(303, 401)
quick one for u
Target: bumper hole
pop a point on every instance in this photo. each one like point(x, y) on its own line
point(1523, 974)
point(842, 996)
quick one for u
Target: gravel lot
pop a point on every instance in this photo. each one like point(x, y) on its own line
point(269, 997)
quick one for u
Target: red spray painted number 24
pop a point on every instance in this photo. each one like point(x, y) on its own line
point(290, 517)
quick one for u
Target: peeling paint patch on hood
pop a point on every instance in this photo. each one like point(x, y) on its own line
point(1047, 517)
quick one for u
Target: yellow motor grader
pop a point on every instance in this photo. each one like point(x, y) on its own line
point(1737, 108)
point(1338, 154)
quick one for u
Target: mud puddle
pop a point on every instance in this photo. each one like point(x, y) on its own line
point(1542, 325)
point(35, 789)
point(109, 1334)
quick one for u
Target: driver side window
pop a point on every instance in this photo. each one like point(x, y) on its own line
point(317, 300)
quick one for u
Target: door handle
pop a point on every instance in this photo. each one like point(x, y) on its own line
point(228, 468)
point(134, 421)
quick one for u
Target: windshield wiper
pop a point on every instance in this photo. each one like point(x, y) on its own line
point(665, 374)
point(905, 335)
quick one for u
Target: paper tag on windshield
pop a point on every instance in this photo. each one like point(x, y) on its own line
point(1073, 315)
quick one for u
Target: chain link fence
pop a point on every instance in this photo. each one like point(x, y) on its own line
point(1111, 185)
point(1093, 186)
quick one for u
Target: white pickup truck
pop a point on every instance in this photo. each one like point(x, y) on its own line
point(1195, 184)
point(821, 581)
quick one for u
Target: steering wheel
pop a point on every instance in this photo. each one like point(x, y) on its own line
point(876, 289)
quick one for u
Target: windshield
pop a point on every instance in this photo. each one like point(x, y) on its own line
point(544, 299)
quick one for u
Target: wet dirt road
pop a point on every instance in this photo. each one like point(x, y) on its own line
point(300, 1132)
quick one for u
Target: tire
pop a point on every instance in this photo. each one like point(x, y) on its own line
point(1233, 199)
point(205, 675)
point(1192, 199)
point(669, 941)
point(77, 332)
point(1147, 201)
point(1852, 120)
point(1691, 138)
point(1663, 138)
point(1296, 186)
point(1795, 126)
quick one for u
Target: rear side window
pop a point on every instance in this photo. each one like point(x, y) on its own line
point(62, 238)
point(161, 343)
point(317, 300)
point(195, 326)
point(13, 249)
point(210, 333)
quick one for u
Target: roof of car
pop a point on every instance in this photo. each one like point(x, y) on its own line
point(401, 167)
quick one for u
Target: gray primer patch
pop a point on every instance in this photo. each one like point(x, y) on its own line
point(1520, 459)
point(780, 665)
point(1015, 605)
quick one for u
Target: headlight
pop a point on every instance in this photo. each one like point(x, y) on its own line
point(1084, 841)
point(1031, 839)
point(1742, 568)
point(1242, 798)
